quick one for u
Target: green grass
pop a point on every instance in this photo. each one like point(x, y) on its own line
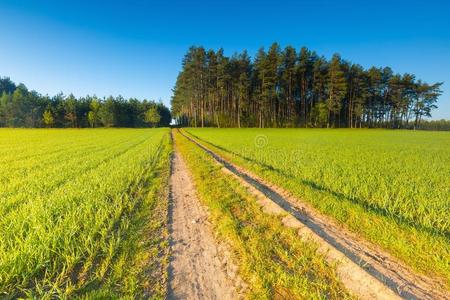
point(392, 187)
point(83, 212)
point(272, 258)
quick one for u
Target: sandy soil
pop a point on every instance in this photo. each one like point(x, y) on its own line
point(197, 268)
point(365, 269)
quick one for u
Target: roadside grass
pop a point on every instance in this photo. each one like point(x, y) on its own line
point(97, 225)
point(333, 169)
point(274, 261)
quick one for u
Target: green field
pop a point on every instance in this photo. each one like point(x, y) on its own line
point(83, 212)
point(392, 187)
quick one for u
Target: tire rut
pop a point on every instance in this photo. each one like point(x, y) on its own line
point(195, 268)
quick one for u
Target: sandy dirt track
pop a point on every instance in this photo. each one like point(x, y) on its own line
point(196, 270)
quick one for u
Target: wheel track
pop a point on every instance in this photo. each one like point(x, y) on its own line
point(195, 268)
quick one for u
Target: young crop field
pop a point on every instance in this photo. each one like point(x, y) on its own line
point(391, 187)
point(146, 213)
point(83, 212)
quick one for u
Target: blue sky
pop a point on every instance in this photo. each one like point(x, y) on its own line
point(134, 48)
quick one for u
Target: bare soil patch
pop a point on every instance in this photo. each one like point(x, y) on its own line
point(198, 268)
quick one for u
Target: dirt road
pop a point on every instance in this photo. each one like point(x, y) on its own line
point(195, 270)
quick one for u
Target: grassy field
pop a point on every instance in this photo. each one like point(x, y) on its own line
point(272, 259)
point(392, 187)
point(83, 212)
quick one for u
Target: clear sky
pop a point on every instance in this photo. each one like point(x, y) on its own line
point(134, 48)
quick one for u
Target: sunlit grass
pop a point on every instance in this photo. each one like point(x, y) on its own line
point(392, 187)
point(83, 211)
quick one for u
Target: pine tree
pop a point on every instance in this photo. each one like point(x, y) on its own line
point(152, 116)
point(319, 82)
point(93, 113)
point(70, 106)
point(271, 84)
point(337, 89)
point(304, 69)
point(260, 85)
point(288, 83)
point(48, 118)
point(244, 70)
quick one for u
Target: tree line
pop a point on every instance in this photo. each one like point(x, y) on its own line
point(437, 125)
point(290, 88)
point(20, 107)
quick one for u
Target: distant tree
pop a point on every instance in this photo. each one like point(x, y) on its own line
point(91, 118)
point(337, 89)
point(107, 112)
point(287, 84)
point(426, 97)
point(319, 82)
point(261, 89)
point(152, 116)
point(6, 85)
point(164, 113)
point(304, 69)
point(93, 113)
point(243, 89)
point(48, 118)
point(70, 107)
point(435, 125)
point(323, 113)
point(222, 81)
point(19, 107)
point(5, 109)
